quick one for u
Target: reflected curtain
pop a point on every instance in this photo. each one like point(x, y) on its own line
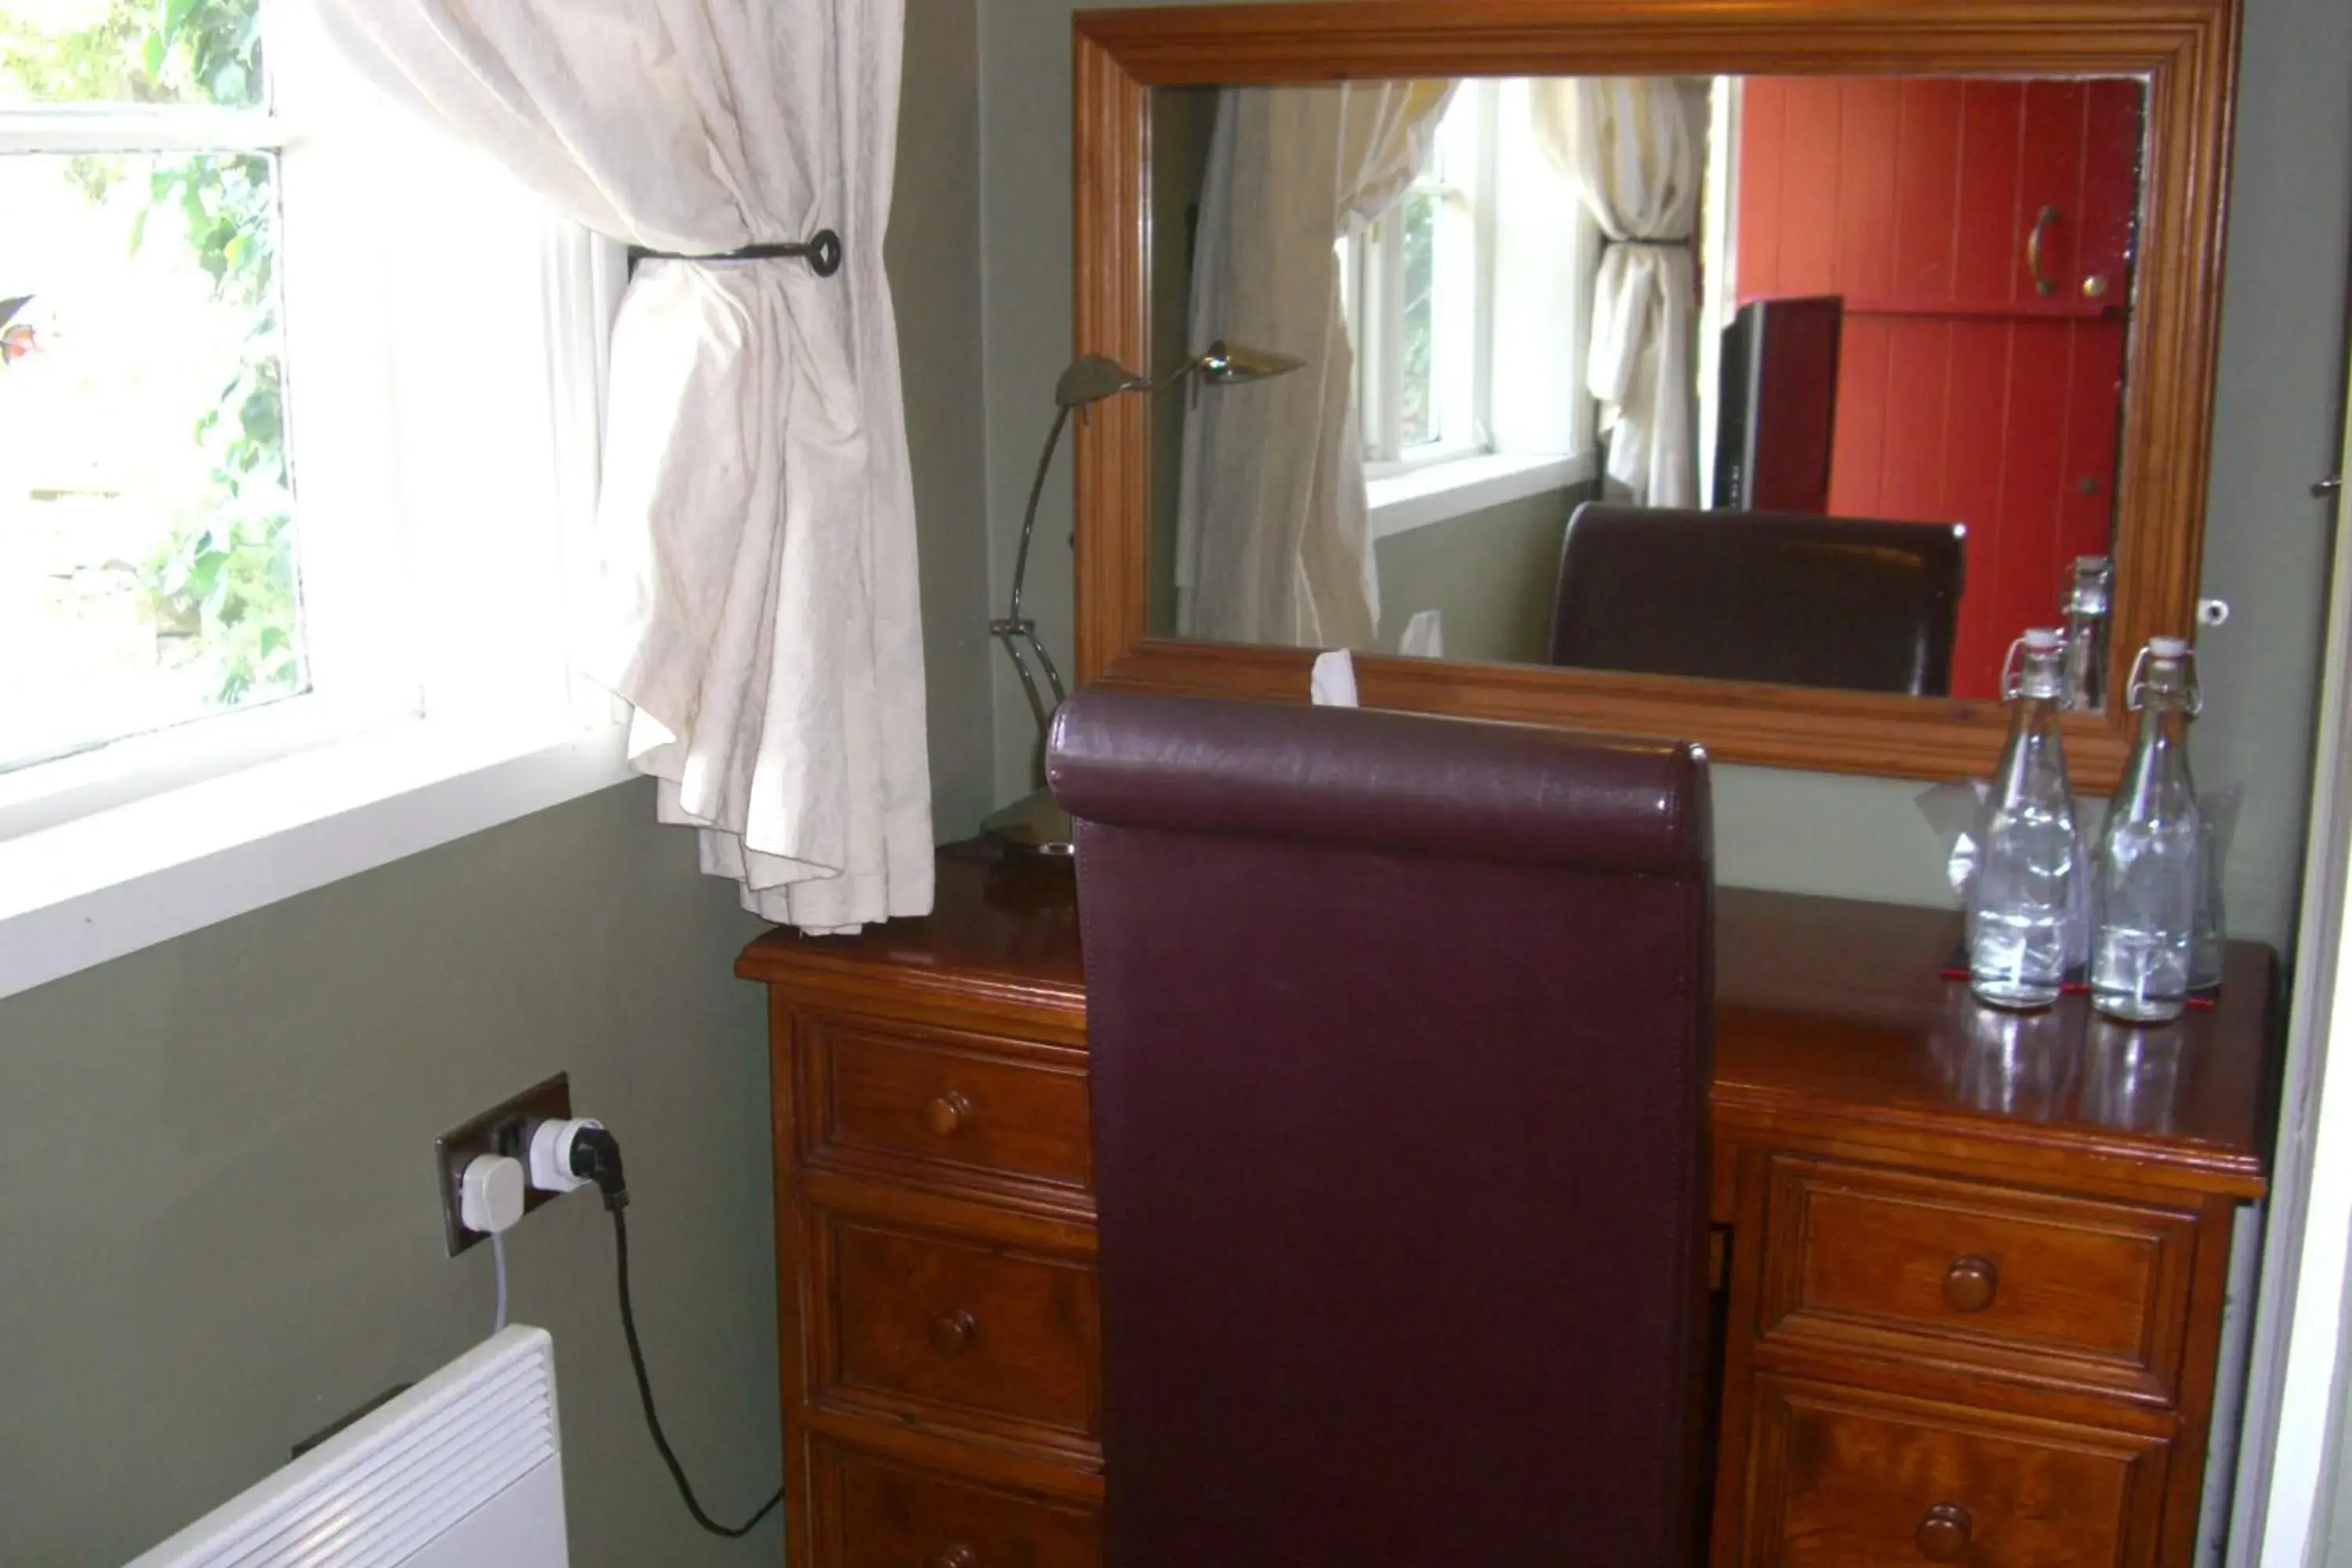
point(757, 601)
point(1274, 539)
point(1628, 144)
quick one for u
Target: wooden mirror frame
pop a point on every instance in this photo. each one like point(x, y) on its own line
point(2184, 50)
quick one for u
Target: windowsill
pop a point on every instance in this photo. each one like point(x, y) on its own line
point(86, 891)
point(1442, 491)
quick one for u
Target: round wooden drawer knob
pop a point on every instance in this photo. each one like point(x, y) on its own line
point(951, 1332)
point(1970, 1284)
point(947, 1115)
point(954, 1557)
point(1943, 1535)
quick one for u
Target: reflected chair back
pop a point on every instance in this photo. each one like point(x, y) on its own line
point(1399, 1032)
point(1850, 603)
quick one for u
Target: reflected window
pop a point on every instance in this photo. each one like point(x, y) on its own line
point(1416, 287)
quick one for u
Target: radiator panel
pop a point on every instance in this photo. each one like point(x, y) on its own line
point(464, 1468)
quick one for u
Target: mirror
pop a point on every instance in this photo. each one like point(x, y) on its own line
point(1838, 360)
point(1751, 375)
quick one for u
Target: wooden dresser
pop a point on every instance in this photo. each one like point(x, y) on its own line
point(1974, 1263)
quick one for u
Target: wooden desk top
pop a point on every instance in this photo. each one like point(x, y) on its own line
point(1831, 1012)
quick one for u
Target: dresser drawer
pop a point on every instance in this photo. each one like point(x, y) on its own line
point(1844, 1479)
point(2072, 1291)
point(878, 1514)
point(968, 1337)
point(953, 1105)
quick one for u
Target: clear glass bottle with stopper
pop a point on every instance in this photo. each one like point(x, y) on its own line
point(2147, 877)
point(2085, 608)
point(2026, 908)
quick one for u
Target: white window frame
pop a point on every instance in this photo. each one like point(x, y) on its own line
point(336, 701)
point(474, 717)
point(1462, 296)
point(1717, 305)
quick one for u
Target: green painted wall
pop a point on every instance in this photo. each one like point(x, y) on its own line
point(933, 257)
point(1490, 575)
point(216, 1191)
point(217, 1228)
point(2266, 538)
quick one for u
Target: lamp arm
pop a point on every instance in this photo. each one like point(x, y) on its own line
point(1052, 675)
point(1189, 372)
point(1005, 632)
point(1016, 628)
point(1029, 517)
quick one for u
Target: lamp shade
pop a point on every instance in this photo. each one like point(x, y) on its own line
point(1226, 363)
point(1093, 377)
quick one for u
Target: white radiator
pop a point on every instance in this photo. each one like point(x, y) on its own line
point(464, 1470)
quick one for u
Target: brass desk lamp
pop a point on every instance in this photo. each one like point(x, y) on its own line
point(1035, 824)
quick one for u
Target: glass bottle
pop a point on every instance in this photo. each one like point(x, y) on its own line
point(2026, 905)
point(2085, 609)
point(2145, 881)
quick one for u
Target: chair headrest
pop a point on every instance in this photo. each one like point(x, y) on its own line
point(1379, 780)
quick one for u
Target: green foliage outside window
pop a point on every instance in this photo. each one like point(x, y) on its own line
point(227, 575)
point(1417, 413)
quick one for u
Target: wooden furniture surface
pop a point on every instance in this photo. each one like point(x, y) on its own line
point(1974, 1262)
point(2184, 52)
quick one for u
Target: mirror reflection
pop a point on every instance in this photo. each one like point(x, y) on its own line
point(1815, 381)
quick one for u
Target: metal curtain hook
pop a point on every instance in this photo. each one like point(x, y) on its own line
point(821, 251)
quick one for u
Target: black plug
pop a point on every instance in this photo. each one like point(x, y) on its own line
point(596, 1157)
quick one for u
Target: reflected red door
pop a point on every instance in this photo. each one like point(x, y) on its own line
point(1979, 233)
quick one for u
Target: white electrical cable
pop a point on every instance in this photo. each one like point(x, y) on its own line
point(498, 1267)
point(492, 1193)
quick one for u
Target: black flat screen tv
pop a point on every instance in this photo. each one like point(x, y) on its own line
point(1778, 403)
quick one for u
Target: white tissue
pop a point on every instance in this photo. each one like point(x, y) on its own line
point(1333, 684)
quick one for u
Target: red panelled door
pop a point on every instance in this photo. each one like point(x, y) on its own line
point(1981, 234)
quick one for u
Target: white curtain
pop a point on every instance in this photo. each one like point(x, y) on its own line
point(1274, 542)
point(758, 594)
point(1628, 144)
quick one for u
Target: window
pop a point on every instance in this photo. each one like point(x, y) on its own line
point(1457, 411)
point(149, 561)
point(297, 438)
point(1425, 271)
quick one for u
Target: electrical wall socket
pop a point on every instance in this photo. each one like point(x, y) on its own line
point(503, 1129)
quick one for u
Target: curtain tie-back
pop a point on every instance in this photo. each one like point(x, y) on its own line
point(822, 250)
point(1610, 243)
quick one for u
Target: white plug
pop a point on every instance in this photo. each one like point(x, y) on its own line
point(491, 1193)
point(550, 1154)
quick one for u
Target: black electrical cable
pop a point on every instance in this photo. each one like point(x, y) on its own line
point(646, 1394)
point(596, 1154)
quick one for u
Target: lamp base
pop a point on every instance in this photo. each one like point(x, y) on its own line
point(1032, 827)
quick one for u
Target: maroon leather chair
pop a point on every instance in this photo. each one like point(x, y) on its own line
point(1400, 1034)
point(1845, 602)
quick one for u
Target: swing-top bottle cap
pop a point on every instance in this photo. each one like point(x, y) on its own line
point(2168, 663)
point(2032, 669)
